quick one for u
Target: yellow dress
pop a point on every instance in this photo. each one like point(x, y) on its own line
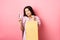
point(31, 28)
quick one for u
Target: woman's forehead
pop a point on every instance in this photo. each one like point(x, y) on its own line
point(26, 9)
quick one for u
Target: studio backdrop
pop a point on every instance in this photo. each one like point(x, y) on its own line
point(47, 10)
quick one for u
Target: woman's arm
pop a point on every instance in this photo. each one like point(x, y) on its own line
point(21, 25)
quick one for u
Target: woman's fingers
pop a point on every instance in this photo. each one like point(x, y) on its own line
point(20, 20)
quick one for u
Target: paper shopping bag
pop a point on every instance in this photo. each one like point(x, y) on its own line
point(31, 28)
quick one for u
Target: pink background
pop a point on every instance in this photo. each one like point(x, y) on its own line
point(47, 10)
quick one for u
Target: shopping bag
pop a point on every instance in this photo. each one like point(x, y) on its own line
point(31, 28)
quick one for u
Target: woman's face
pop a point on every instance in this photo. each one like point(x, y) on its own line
point(28, 12)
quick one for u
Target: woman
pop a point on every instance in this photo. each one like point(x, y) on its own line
point(28, 15)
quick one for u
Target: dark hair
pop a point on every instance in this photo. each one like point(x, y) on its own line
point(31, 10)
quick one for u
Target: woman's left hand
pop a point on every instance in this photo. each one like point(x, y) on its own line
point(33, 18)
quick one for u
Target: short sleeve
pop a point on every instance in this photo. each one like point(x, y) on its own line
point(38, 20)
point(23, 20)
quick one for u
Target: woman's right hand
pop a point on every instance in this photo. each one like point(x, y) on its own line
point(21, 26)
point(20, 20)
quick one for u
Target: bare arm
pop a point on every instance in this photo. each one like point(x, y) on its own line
point(21, 25)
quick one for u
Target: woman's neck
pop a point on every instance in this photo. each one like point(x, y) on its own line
point(30, 16)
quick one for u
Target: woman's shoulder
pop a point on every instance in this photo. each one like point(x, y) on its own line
point(37, 17)
point(24, 18)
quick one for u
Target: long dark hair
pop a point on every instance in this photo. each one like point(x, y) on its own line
point(31, 10)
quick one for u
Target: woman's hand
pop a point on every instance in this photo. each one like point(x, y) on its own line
point(20, 20)
point(33, 18)
point(21, 26)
